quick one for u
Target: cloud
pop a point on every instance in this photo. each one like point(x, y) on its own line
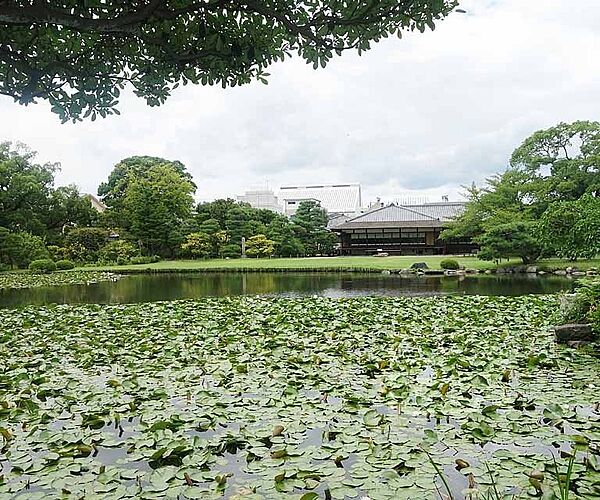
point(412, 117)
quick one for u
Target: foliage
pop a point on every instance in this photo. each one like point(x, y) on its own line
point(42, 266)
point(585, 306)
point(450, 264)
point(18, 249)
point(553, 174)
point(64, 265)
point(562, 161)
point(29, 201)
point(117, 252)
point(84, 243)
point(20, 280)
point(513, 239)
point(273, 396)
point(311, 222)
point(101, 46)
point(155, 204)
point(144, 259)
point(24, 189)
point(114, 190)
point(571, 229)
point(197, 245)
point(259, 246)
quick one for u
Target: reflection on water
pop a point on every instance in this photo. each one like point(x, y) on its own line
point(153, 287)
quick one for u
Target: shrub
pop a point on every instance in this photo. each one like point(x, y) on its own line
point(64, 265)
point(42, 266)
point(450, 264)
point(119, 252)
point(145, 259)
point(585, 304)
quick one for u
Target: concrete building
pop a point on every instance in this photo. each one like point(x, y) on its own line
point(402, 230)
point(261, 198)
point(343, 199)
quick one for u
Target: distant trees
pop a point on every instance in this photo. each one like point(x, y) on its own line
point(545, 203)
point(150, 213)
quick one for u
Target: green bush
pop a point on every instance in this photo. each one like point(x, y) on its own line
point(585, 304)
point(145, 259)
point(450, 264)
point(42, 266)
point(64, 265)
point(117, 252)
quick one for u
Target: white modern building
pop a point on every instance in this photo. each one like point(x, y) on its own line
point(261, 198)
point(343, 199)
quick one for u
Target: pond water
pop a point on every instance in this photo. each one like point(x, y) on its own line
point(155, 287)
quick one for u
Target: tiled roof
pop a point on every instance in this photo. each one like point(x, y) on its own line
point(428, 214)
point(343, 198)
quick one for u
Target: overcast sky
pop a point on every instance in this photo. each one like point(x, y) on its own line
point(419, 116)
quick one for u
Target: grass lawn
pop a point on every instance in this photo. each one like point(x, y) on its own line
point(333, 263)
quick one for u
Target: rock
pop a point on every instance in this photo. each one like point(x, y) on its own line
point(531, 269)
point(575, 344)
point(591, 272)
point(578, 273)
point(488, 271)
point(573, 332)
point(569, 270)
point(451, 272)
point(419, 265)
point(382, 254)
point(541, 273)
point(560, 272)
point(471, 271)
point(386, 272)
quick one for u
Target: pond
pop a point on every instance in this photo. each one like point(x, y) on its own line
point(155, 287)
point(267, 398)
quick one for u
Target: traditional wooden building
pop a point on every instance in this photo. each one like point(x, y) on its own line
point(402, 230)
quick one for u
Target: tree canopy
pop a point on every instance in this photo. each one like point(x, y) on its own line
point(80, 55)
point(545, 203)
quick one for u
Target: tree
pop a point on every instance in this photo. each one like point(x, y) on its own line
point(155, 204)
point(18, 249)
point(197, 245)
point(68, 208)
point(79, 55)
point(310, 224)
point(571, 229)
point(113, 190)
point(25, 187)
point(84, 243)
point(259, 246)
point(511, 239)
point(563, 161)
point(535, 202)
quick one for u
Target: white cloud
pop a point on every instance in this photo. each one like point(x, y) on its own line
point(418, 116)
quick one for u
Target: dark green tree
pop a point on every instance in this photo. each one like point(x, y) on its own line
point(563, 162)
point(114, 189)
point(80, 55)
point(155, 204)
point(511, 239)
point(25, 188)
point(571, 229)
point(310, 225)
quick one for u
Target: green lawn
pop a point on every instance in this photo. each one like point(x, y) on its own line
point(358, 263)
point(333, 263)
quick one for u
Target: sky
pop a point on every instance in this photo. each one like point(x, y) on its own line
point(413, 118)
